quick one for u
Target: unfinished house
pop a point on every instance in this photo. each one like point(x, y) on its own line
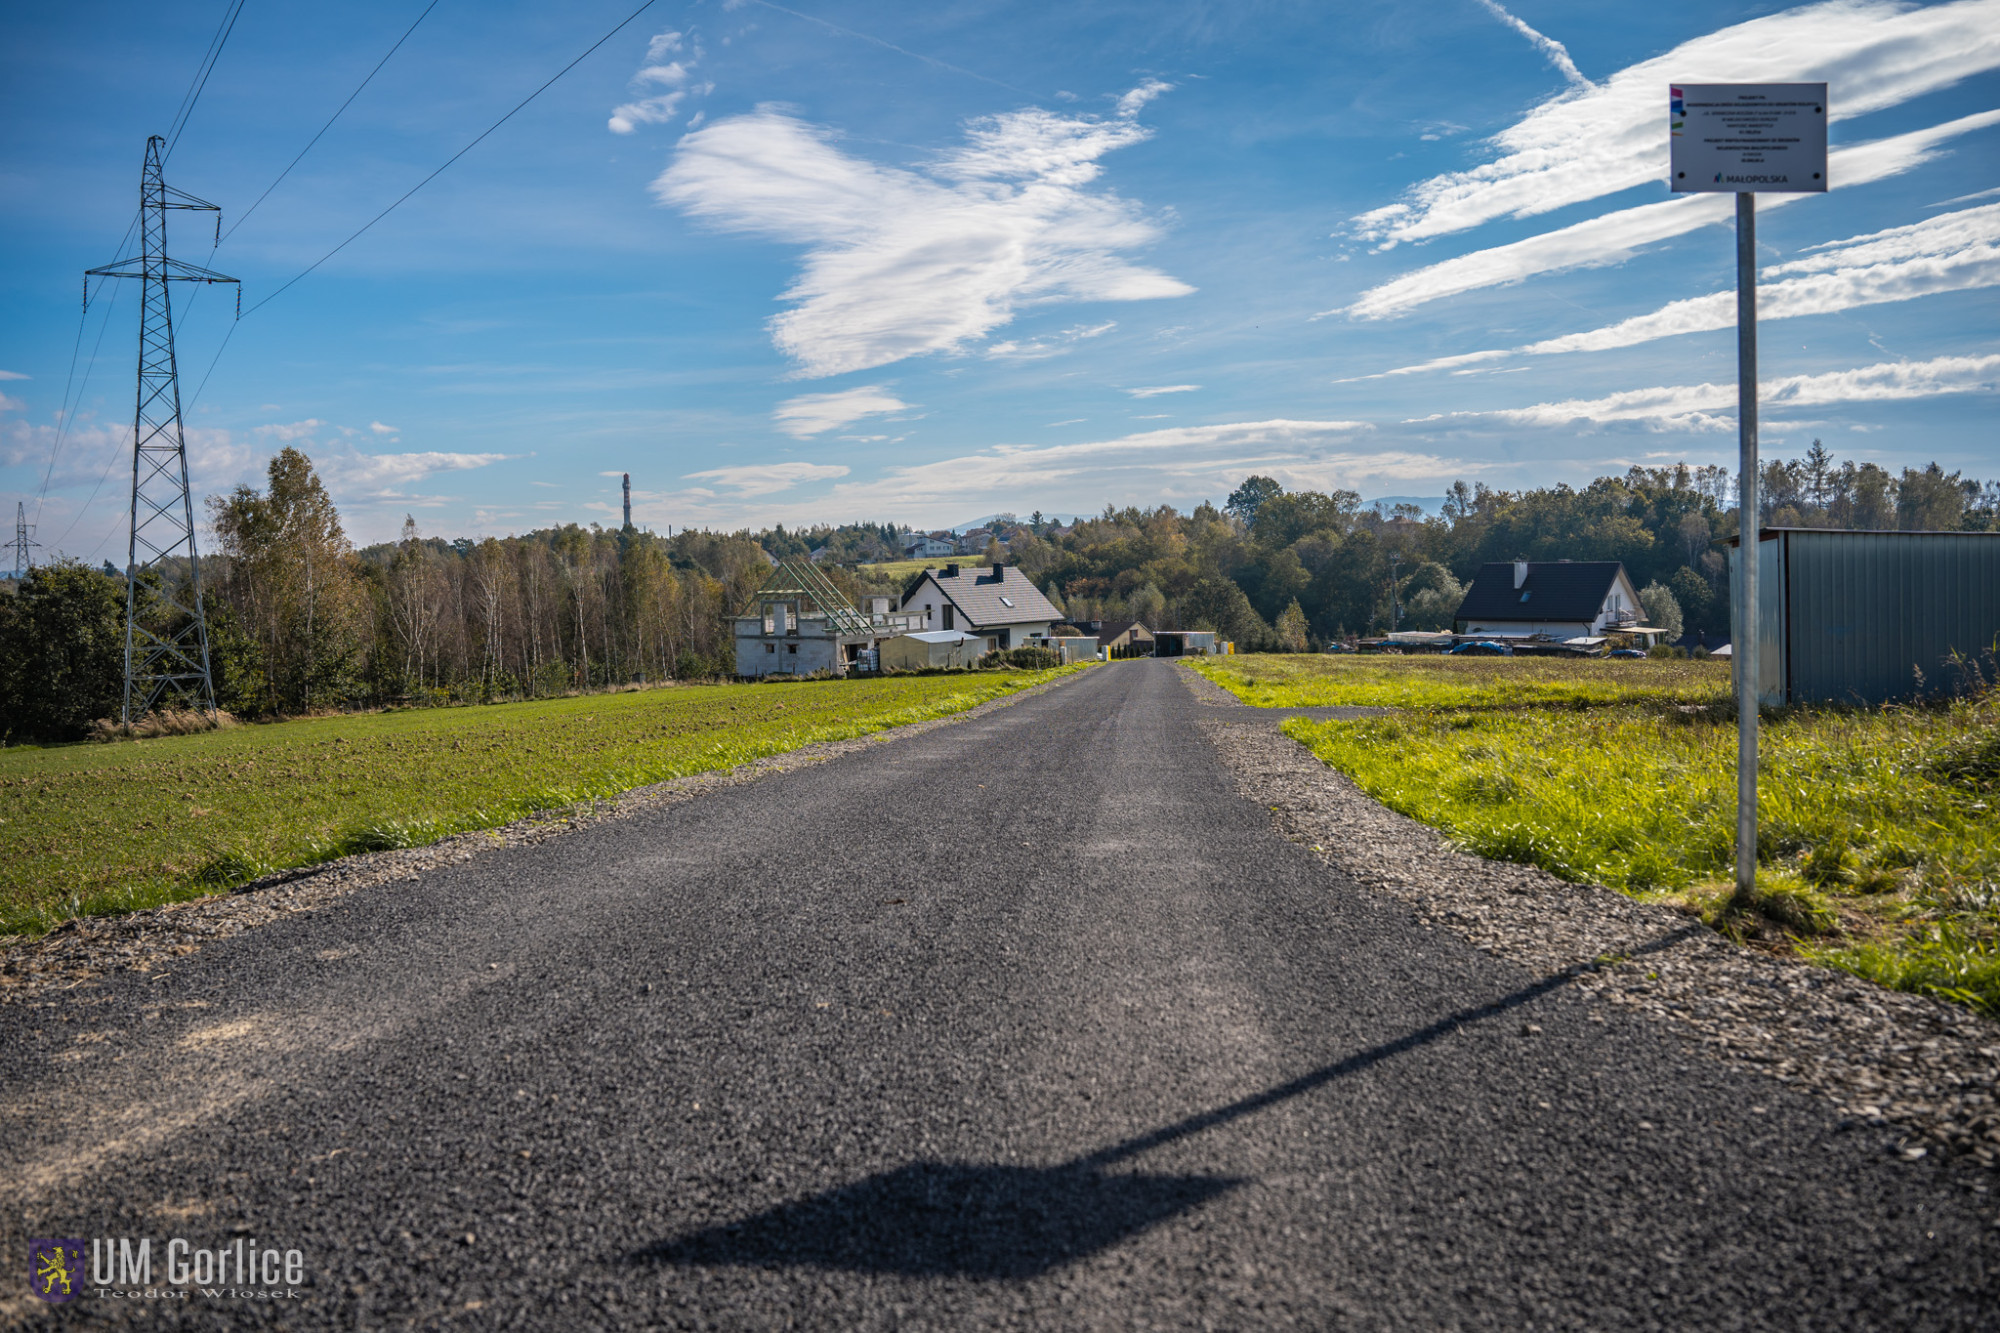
point(799, 624)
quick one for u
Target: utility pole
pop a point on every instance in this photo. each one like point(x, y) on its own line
point(1745, 635)
point(1395, 606)
point(23, 562)
point(167, 661)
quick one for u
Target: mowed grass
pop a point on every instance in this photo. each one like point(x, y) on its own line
point(1311, 680)
point(1878, 846)
point(97, 828)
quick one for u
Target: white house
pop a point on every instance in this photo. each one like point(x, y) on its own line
point(925, 547)
point(1001, 603)
point(1560, 599)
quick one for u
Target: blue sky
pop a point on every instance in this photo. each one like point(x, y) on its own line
point(919, 263)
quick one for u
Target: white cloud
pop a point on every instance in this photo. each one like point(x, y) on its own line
point(1552, 50)
point(1132, 103)
point(768, 478)
point(290, 430)
point(1965, 198)
point(1037, 349)
point(381, 429)
point(1158, 389)
point(898, 262)
point(1948, 253)
point(1695, 406)
point(812, 413)
point(1585, 144)
point(11, 404)
point(12, 375)
point(353, 474)
point(660, 72)
point(1614, 237)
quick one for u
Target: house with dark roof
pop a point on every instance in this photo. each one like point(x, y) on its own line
point(1001, 603)
point(1561, 599)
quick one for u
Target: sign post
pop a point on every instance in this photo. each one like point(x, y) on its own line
point(1739, 138)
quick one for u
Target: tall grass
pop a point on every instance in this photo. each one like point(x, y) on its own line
point(1868, 827)
point(96, 828)
point(1308, 680)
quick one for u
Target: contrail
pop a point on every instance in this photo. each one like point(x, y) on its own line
point(905, 51)
point(1556, 53)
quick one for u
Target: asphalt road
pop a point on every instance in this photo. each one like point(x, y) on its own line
point(1028, 1022)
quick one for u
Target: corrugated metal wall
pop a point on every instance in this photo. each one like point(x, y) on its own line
point(1850, 617)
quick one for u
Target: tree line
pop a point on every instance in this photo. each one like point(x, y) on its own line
point(300, 621)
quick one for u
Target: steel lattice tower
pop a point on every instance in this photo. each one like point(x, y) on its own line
point(23, 562)
point(169, 659)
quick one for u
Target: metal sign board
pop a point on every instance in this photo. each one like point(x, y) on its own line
point(1757, 138)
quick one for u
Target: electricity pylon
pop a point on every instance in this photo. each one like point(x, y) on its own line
point(23, 562)
point(172, 659)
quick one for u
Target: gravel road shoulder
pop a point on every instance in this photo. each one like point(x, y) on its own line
point(1924, 1067)
point(150, 940)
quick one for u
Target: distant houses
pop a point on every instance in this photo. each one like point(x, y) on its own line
point(925, 546)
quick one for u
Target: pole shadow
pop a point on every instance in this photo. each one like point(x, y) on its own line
point(933, 1219)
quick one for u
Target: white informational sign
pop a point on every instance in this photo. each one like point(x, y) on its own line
point(1758, 138)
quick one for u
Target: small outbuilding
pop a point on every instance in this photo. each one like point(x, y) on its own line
point(1125, 638)
point(1870, 617)
point(1189, 643)
point(933, 648)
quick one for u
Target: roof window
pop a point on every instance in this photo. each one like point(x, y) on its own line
point(1006, 601)
point(1526, 595)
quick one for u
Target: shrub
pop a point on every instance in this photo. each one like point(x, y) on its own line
point(1024, 659)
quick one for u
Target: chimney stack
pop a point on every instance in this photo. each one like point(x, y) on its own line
point(1520, 571)
point(628, 502)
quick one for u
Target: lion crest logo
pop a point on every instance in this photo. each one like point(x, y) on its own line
point(54, 1266)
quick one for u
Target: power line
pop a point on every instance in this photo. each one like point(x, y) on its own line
point(329, 122)
point(186, 109)
point(455, 156)
point(69, 417)
point(206, 68)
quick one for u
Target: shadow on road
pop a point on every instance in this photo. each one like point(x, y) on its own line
point(941, 1218)
point(968, 1220)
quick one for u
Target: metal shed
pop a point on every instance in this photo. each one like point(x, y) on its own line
point(1854, 617)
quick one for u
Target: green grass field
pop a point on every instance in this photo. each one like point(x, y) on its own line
point(97, 828)
point(1878, 844)
point(1311, 680)
point(902, 569)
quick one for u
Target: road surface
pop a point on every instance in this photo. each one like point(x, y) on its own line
point(1026, 1022)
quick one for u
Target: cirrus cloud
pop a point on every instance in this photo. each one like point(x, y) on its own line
point(813, 413)
point(901, 262)
point(1588, 143)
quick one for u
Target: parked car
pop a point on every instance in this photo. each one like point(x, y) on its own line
point(1483, 648)
point(1624, 652)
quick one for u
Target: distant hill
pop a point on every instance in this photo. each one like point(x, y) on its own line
point(987, 522)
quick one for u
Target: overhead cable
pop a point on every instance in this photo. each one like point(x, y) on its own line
point(455, 156)
point(245, 215)
point(206, 68)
